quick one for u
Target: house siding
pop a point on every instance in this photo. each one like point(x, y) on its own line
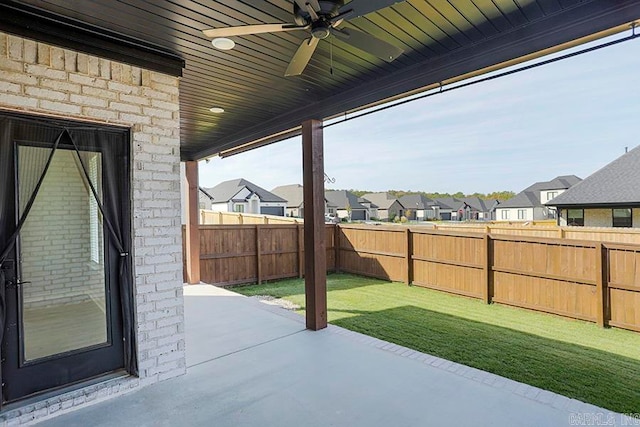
point(43, 79)
point(598, 218)
point(512, 214)
point(531, 214)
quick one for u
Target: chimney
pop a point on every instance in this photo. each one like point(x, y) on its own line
point(626, 149)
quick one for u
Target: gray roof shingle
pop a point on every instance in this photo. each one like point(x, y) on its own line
point(225, 191)
point(383, 200)
point(293, 194)
point(457, 203)
point(342, 198)
point(530, 196)
point(411, 201)
point(617, 183)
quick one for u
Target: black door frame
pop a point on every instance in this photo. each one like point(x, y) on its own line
point(21, 380)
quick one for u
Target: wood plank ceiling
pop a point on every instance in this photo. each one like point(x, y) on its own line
point(441, 39)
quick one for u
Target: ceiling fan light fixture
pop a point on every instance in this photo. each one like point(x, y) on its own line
point(223, 43)
point(320, 30)
point(216, 110)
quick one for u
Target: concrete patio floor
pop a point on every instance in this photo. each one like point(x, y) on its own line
point(250, 364)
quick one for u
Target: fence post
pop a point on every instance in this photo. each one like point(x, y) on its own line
point(561, 233)
point(300, 254)
point(336, 247)
point(220, 218)
point(602, 279)
point(258, 256)
point(265, 219)
point(408, 254)
point(488, 288)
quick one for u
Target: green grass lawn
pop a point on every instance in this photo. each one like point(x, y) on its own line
point(570, 357)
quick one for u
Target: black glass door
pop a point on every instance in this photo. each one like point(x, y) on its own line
point(63, 319)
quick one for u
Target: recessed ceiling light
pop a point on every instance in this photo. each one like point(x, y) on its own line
point(223, 43)
point(216, 110)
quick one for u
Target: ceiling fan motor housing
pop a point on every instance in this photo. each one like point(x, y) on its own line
point(320, 29)
point(328, 9)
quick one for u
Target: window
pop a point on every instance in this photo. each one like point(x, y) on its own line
point(551, 195)
point(505, 214)
point(575, 217)
point(522, 214)
point(238, 208)
point(622, 218)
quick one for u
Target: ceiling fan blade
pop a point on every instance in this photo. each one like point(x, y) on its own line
point(313, 3)
point(301, 57)
point(337, 20)
point(245, 30)
point(311, 6)
point(368, 43)
point(363, 7)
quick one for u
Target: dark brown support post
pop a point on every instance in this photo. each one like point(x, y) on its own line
point(315, 255)
point(192, 234)
point(258, 256)
point(336, 247)
point(602, 279)
point(300, 251)
point(487, 270)
point(408, 254)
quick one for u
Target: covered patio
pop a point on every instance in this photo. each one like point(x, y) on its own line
point(145, 73)
point(249, 363)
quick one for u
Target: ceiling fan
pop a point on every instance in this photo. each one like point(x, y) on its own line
point(321, 18)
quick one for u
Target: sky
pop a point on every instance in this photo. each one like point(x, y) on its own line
point(570, 117)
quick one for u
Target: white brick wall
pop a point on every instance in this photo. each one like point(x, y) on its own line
point(39, 78)
point(59, 219)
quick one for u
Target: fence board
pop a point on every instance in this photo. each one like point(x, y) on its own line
point(624, 286)
point(449, 262)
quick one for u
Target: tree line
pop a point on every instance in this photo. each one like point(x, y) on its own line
point(499, 195)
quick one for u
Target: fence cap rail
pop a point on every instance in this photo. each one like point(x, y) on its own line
point(253, 226)
point(545, 240)
point(622, 246)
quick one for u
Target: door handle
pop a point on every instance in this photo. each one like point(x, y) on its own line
point(10, 284)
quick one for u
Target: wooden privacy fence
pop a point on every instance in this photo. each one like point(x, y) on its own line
point(589, 280)
point(234, 254)
point(593, 281)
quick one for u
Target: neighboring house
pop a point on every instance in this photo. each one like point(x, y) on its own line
point(205, 199)
point(466, 208)
point(347, 205)
point(446, 208)
point(372, 208)
point(529, 204)
point(389, 207)
point(294, 195)
point(240, 195)
point(609, 197)
point(475, 208)
point(419, 207)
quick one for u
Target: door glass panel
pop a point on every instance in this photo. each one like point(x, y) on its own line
point(62, 256)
